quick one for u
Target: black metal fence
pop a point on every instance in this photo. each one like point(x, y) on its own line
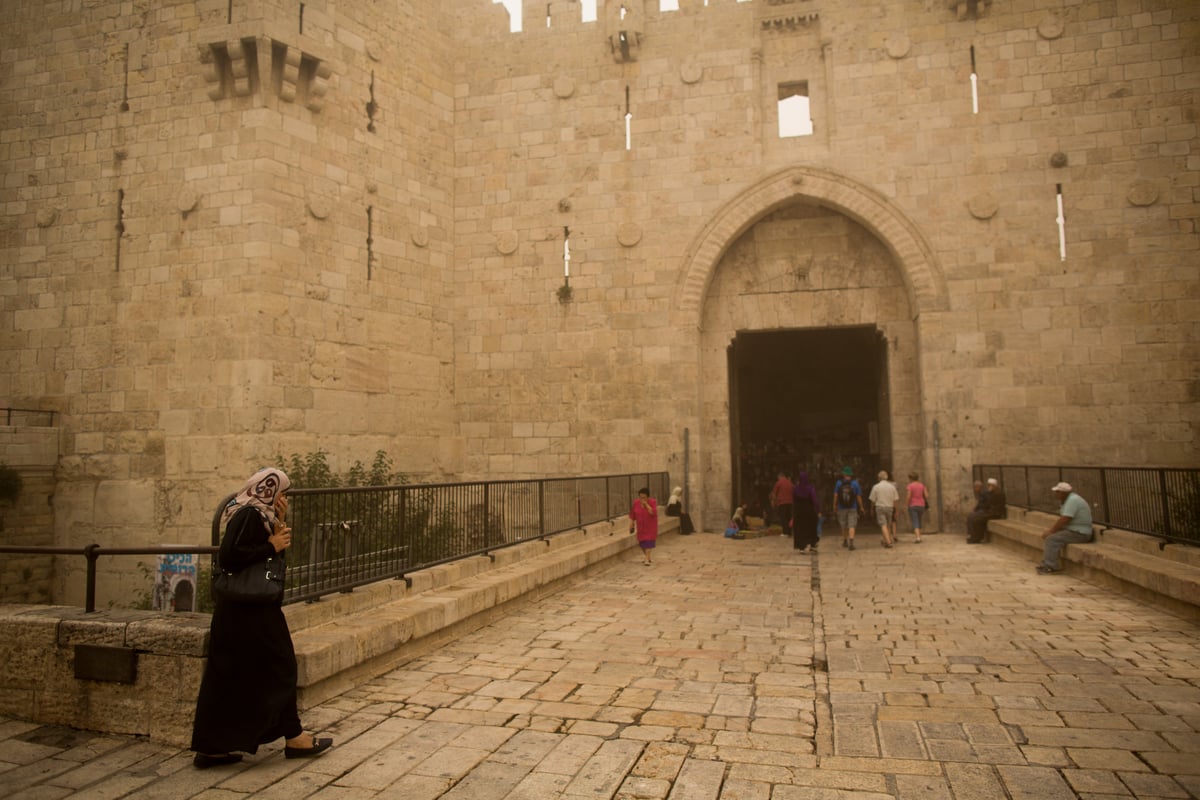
point(348, 537)
point(1162, 502)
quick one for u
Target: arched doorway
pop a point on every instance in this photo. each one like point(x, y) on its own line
point(813, 400)
point(802, 254)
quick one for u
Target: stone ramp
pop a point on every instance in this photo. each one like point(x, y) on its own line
point(346, 639)
point(1140, 566)
point(735, 670)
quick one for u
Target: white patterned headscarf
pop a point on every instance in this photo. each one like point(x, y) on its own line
point(259, 492)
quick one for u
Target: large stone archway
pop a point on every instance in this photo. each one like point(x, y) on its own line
point(922, 276)
point(897, 282)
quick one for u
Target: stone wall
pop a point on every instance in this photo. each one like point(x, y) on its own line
point(28, 521)
point(1008, 348)
point(234, 232)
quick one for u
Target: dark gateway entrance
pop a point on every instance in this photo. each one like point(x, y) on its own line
point(813, 400)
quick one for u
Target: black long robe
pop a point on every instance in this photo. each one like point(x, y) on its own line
point(248, 692)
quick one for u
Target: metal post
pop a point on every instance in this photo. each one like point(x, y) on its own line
point(90, 553)
point(686, 449)
point(1166, 502)
point(937, 470)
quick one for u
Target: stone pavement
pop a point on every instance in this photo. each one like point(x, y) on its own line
point(735, 670)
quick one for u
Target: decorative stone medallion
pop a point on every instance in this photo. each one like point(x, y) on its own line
point(320, 207)
point(1051, 27)
point(691, 72)
point(506, 243)
point(898, 45)
point(629, 234)
point(1142, 193)
point(983, 205)
point(187, 200)
point(564, 87)
point(420, 237)
point(45, 216)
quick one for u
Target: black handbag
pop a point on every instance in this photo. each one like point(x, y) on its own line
point(259, 584)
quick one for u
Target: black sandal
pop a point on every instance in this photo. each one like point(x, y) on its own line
point(318, 746)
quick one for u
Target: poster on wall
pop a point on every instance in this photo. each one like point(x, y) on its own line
point(175, 582)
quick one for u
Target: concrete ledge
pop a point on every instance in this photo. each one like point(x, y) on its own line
point(1134, 564)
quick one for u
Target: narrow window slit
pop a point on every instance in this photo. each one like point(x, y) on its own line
point(229, 13)
point(974, 84)
point(120, 224)
point(302, 18)
point(370, 239)
point(125, 89)
point(547, 15)
point(1061, 219)
point(628, 115)
point(566, 255)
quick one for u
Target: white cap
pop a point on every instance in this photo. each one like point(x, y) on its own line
point(1061, 486)
point(993, 482)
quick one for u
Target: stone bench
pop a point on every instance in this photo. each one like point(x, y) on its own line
point(1137, 565)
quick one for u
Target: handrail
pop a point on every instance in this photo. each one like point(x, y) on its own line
point(92, 553)
point(1163, 502)
point(343, 538)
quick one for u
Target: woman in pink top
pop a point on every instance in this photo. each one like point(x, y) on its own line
point(643, 518)
point(917, 503)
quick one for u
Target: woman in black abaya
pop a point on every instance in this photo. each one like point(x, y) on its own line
point(806, 511)
point(248, 692)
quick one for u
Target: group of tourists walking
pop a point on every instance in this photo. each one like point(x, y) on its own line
point(798, 507)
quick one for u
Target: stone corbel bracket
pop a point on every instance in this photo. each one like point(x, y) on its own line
point(968, 8)
point(255, 59)
point(623, 23)
point(791, 22)
point(783, 16)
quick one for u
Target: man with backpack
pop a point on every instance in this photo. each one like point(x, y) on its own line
point(847, 501)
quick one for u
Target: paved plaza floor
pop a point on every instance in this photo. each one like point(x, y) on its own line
point(735, 670)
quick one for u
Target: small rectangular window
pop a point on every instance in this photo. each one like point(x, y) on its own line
point(795, 115)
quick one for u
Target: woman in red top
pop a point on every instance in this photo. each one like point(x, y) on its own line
point(917, 502)
point(643, 518)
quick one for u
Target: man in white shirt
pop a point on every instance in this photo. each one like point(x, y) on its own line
point(884, 497)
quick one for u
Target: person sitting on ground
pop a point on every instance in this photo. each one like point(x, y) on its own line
point(884, 497)
point(739, 517)
point(1074, 525)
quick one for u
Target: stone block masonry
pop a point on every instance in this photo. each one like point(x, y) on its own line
point(232, 230)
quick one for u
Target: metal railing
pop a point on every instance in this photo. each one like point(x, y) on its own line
point(1159, 501)
point(349, 537)
point(92, 553)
